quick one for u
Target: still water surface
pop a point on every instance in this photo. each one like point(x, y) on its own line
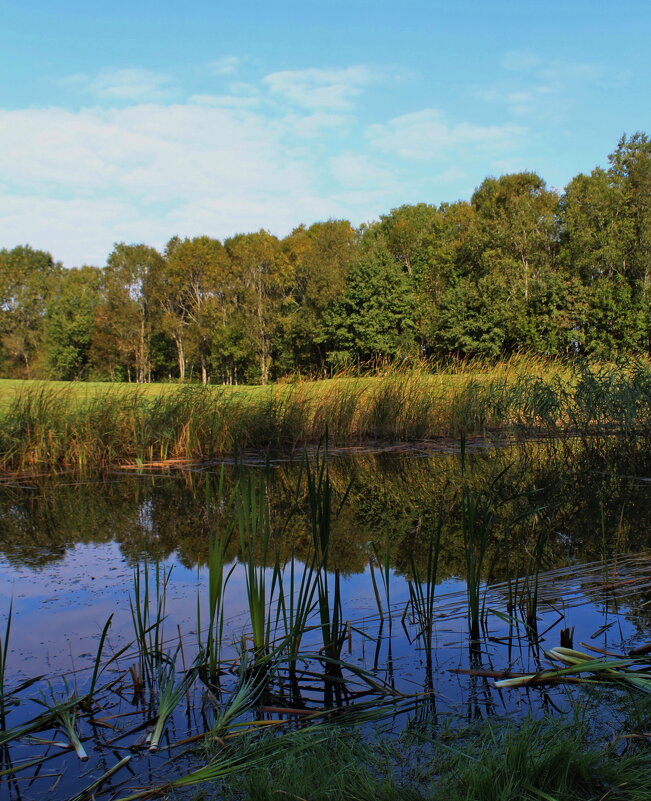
point(576, 514)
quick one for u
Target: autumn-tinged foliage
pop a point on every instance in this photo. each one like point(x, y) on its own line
point(520, 267)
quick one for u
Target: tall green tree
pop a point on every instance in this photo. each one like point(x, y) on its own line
point(613, 320)
point(630, 165)
point(319, 260)
point(471, 319)
point(605, 223)
point(69, 323)
point(28, 278)
point(196, 294)
point(410, 234)
point(374, 318)
point(515, 230)
point(501, 267)
point(127, 320)
point(263, 275)
point(595, 228)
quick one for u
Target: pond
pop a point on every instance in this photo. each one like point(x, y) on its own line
point(441, 571)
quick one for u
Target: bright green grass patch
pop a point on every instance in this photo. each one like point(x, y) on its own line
point(75, 391)
point(442, 377)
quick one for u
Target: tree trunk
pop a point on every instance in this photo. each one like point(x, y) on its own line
point(264, 364)
point(181, 357)
point(204, 370)
point(141, 352)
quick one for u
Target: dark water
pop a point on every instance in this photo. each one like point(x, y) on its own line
point(578, 514)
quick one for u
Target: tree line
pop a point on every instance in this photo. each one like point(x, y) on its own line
point(519, 267)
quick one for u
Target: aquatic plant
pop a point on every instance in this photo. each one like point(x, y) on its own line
point(63, 711)
point(41, 721)
point(88, 793)
point(296, 604)
point(615, 670)
point(241, 699)
point(218, 577)
point(321, 514)
point(169, 694)
point(477, 512)
point(67, 719)
point(422, 589)
point(252, 512)
point(147, 606)
point(4, 649)
point(218, 573)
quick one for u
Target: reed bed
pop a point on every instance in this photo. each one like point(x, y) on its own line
point(47, 427)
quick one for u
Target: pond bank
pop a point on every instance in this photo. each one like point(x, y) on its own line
point(549, 759)
point(47, 428)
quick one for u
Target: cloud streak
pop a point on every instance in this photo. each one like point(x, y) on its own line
point(320, 89)
point(428, 136)
point(545, 91)
point(130, 85)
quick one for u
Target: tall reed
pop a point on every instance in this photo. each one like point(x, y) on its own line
point(4, 650)
point(524, 589)
point(320, 510)
point(297, 603)
point(422, 589)
point(148, 616)
point(46, 427)
point(255, 545)
point(218, 576)
point(477, 513)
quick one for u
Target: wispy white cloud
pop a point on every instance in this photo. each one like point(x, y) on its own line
point(125, 84)
point(309, 126)
point(428, 136)
point(541, 90)
point(560, 72)
point(324, 89)
point(355, 170)
point(226, 65)
point(225, 101)
point(535, 100)
point(520, 60)
point(75, 182)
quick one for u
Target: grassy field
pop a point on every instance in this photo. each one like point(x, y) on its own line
point(48, 425)
point(448, 377)
point(82, 391)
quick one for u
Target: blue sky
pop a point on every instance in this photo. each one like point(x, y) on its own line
point(136, 121)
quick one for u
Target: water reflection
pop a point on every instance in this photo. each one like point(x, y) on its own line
point(585, 500)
